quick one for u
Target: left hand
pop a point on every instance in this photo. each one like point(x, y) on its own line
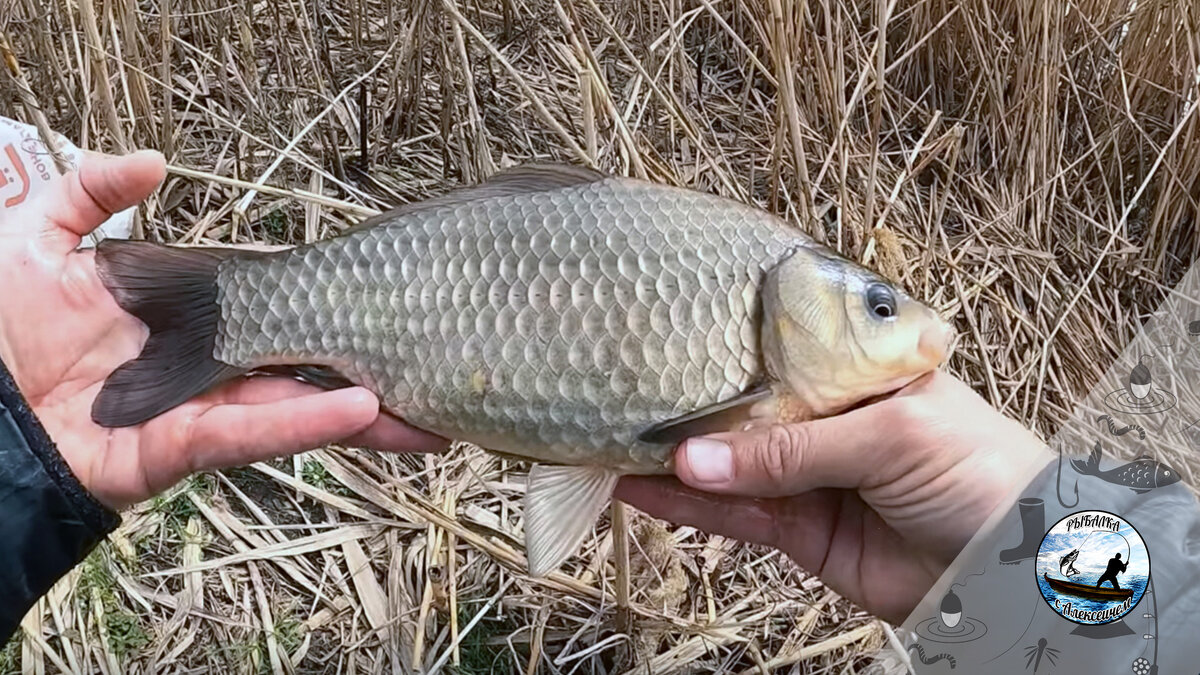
point(62, 334)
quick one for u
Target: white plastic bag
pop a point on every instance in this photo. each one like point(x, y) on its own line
point(26, 169)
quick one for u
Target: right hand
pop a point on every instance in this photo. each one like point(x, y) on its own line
point(877, 501)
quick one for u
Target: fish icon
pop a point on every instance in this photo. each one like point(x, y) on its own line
point(1141, 475)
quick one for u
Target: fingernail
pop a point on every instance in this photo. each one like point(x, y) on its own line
point(710, 461)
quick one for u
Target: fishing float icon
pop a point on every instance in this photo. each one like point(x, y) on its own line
point(1140, 380)
point(951, 610)
point(951, 624)
point(1138, 395)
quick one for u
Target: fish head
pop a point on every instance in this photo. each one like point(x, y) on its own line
point(836, 333)
point(1164, 475)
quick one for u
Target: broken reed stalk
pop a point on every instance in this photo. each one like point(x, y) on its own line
point(452, 580)
point(533, 97)
point(244, 203)
point(620, 531)
point(783, 43)
point(32, 108)
point(300, 195)
point(95, 50)
point(167, 131)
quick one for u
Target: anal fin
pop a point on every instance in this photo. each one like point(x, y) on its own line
point(562, 504)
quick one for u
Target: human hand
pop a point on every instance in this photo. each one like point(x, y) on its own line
point(62, 334)
point(877, 502)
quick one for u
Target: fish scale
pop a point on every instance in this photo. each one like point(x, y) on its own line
point(576, 316)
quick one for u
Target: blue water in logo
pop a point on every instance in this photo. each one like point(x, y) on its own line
point(1137, 583)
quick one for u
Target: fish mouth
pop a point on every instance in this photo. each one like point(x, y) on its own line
point(889, 392)
point(933, 349)
point(934, 343)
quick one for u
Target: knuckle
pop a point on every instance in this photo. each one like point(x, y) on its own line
point(103, 185)
point(781, 454)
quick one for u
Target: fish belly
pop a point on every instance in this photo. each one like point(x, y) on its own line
point(553, 326)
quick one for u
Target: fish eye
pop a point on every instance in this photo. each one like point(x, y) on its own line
point(881, 301)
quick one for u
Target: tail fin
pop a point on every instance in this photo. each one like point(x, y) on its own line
point(1091, 465)
point(173, 291)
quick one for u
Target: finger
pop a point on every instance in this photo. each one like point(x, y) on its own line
point(389, 434)
point(99, 188)
point(239, 434)
point(801, 525)
point(386, 433)
point(664, 497)
point(787, 459)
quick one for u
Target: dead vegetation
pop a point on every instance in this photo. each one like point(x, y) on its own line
point(1030, 167)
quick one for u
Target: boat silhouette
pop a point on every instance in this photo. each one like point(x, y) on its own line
point(1086, 591)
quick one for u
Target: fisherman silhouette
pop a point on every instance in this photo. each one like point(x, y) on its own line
point(1115, 567)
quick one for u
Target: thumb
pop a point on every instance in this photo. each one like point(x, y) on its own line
point(788, 459)
point(102, 186)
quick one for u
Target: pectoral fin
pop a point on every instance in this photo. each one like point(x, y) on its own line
point(321, 376)
point(562, 504)
point(718, 417)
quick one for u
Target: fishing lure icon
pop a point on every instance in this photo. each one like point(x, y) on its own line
point(1035, 653)
point(1122, 430)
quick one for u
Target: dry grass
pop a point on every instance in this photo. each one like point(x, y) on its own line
point(1030, 167)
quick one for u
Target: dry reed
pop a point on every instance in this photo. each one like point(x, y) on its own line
point(1030, 167)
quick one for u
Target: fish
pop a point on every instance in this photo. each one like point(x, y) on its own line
point(1141, 475)
point(582, 321)
point(1066, 564)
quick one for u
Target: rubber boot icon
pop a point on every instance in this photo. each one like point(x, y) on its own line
point(1103, 631)
point(1033, 527)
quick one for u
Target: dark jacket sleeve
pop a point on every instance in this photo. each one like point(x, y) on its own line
point(48, 521)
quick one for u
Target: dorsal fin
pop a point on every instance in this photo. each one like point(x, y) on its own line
point(512, 181)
